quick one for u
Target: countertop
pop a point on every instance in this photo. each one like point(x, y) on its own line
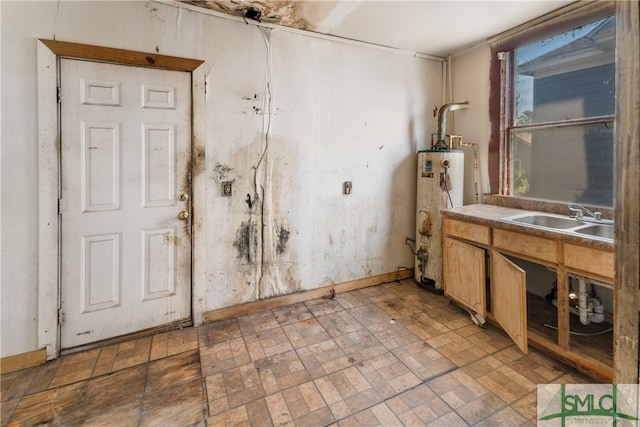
point(491, 215)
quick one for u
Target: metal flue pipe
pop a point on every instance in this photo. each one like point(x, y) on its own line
point(441, 144)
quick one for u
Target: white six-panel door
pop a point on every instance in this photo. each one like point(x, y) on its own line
point(125, 200)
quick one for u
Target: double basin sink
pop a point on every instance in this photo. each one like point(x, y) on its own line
point(600, 229)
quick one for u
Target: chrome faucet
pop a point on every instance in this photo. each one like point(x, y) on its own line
point(580, 212)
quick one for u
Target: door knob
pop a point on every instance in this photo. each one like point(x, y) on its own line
point(183, 215)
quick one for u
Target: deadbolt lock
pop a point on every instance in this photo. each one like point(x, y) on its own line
point(183, 215)
point(183, 197)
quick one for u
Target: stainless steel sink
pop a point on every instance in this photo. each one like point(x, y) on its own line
point(547, 221)
point(565, 224)
point(597, 230)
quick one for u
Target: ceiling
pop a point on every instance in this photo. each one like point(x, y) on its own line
point(431, 27)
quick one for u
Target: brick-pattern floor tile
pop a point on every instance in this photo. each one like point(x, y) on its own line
point(426, 327)
point(418, 406)
point(16, 384)
point(173, 371)
point(267, 343)
point(132, 353)
point(181, 405)
point(45, 375)
point(457, 389)
point(399, 307)
point(374, 292)
point(236, 417)
point(527, 406)
point(281, 371)
point(323, 306)
point(423, 360)
point(323, 358)
point(377, 415)
point(347, 392)
point(292, 314)
point(536, 368)
point(369, 314)
point(504, 417)
point(218, 332)
point(487, 338)
point(470, 399)
point(6, 412)
point(305, 333)
point(386, 355)
point(507, 384)
point(106, 360)
point(457, 348)
point(76, 367)
point(233, 387)
point(339, 323)
point(173, 342)
point(257, 322)
point(388, 375)
point(393, 334)
point(226, 355)
point(303, 405)
point(360, 345)
point(352, 299)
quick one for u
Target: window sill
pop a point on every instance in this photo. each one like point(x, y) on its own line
point(539, 205)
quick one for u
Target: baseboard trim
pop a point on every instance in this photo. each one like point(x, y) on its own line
point(275, 302)
point(23, 361)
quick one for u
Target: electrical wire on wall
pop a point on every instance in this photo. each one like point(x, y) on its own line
point(266, 131)
point(446, 186)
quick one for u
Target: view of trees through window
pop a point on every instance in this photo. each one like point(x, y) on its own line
point(561, 134)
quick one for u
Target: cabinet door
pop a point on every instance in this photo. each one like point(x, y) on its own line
point(509, 298)
point(464, 274)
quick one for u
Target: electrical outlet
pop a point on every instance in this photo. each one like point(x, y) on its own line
point(227, 188)
point(347, 187)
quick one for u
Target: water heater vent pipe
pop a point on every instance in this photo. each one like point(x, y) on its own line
point(442, 122)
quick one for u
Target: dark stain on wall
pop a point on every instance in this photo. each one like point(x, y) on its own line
point(283, 239)
point(221, 172)
point(245, 241)
point(199, 163)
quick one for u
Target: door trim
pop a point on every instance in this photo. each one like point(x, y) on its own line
point(48, 54)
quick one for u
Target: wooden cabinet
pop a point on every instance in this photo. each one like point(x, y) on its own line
point(467, 231)
point(464, 276)
point(523, 244)
point(509, 298)
point(591, 261)
point(479, 274)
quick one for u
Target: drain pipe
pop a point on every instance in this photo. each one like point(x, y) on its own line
point(583, 306)
point(589, 309)
point(442, 122)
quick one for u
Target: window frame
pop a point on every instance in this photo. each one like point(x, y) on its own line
point(501, 67)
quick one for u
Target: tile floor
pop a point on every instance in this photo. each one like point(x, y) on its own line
point(387, 355)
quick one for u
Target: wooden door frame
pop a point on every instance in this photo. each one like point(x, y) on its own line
point(626, 336)
point(49, 53)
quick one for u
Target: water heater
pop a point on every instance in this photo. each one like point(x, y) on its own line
point(440, 186)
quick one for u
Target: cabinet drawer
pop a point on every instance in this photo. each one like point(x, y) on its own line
point(535, 247)
point(467, 230)
point(590, 260)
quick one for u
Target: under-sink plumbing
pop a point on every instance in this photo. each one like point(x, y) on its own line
point(584, 304)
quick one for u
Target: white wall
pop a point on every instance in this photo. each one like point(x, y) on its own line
point(470, 78)
point(334, 112)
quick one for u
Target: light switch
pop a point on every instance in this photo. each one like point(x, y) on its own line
point(227, 188)
point(347, 186)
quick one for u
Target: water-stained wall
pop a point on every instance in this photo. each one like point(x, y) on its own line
point(288, 119)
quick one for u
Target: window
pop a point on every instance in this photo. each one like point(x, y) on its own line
point(557, 113)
